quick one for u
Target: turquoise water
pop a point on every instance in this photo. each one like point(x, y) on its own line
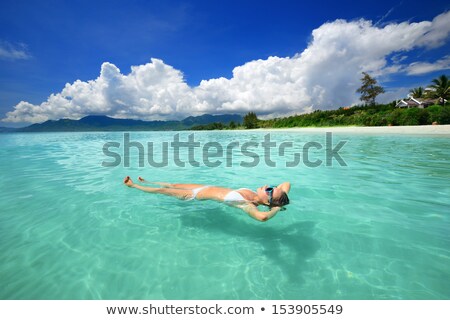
point(377, 228)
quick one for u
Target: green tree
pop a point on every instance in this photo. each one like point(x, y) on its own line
point(250, 120)
point(369, 89)
point(444, 117)
point(417, 92)
point(440, 88)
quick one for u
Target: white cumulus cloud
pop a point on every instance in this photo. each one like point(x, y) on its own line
point(325, 75)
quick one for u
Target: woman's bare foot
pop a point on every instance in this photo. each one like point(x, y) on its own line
point(128, 181)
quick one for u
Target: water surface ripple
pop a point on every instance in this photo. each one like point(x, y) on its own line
point(377, 228)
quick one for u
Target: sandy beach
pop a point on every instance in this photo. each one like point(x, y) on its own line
point(443, 130)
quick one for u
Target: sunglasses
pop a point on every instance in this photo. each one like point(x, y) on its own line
point(269, 192)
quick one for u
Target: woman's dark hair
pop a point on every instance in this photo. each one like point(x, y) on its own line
point(281, 201)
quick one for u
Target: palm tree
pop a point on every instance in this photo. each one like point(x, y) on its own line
point(417, 92)
point(440, 88)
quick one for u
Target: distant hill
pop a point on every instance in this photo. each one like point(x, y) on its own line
point(5, 129)
point(105, 123)
point(208, 119)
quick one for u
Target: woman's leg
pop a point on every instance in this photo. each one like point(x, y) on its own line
point(162, 184)
point(188, 186)
point(177, 193)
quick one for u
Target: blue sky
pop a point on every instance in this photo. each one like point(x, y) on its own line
point(275, 57)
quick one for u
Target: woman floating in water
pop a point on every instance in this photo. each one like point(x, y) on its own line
point(273, 197)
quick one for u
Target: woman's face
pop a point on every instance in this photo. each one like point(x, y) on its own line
point(263, 195)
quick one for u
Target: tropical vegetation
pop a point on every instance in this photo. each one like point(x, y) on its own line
point(250, 120)
point(417, 92)
point(369, 114)
point(440, 89)
point(369, 89)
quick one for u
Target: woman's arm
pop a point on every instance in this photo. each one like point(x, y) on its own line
point(285, 186)
point(262, 216)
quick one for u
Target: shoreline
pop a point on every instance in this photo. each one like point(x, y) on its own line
point(431, 130)
point(443, 130)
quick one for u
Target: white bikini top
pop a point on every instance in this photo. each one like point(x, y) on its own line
point(235, 196)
